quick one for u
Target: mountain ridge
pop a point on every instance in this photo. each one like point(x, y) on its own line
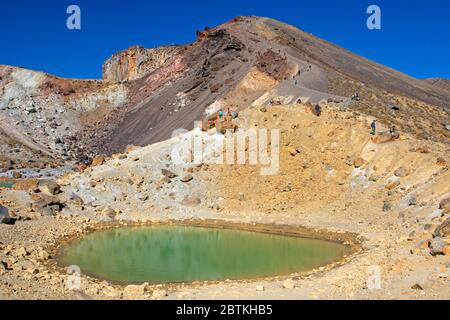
point(147, 94)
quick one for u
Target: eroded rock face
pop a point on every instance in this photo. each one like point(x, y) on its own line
point(136, 62)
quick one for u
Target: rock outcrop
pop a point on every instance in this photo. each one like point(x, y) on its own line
point(136, 62)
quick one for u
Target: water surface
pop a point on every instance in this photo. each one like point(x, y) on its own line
point(161, 254)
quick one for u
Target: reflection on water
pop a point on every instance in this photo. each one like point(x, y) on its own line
point(161, 254)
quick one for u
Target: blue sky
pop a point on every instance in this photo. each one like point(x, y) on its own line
point(415, 35)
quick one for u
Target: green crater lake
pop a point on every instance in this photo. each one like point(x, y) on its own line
point(163, 254)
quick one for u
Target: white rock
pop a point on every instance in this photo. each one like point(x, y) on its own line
point(289, 284)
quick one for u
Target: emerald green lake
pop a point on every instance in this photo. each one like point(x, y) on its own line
point(162, 254)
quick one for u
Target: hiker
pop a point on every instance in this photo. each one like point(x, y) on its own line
point(317, 110)
point(392, 131)
point(220, 114)
point(373, 126)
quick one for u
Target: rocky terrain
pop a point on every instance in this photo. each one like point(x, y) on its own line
point(80, 155)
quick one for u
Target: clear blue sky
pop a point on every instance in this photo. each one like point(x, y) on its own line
point(415, 35)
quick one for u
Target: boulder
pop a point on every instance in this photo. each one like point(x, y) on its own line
point(52, 210)
point(46, 204)
point(76, 199)
point(424, 150)
point(392, 185)
point(43, 255)
point(187, 178)
point(190, 201)
point(22, 252)
point(9, 165)
point(16, 175)
point(26, 185)
point(167, 173)
point(135, 291)
point(441, 162)
point(401, 172)
point(359, 162)
point(162, 181)
point(438, 246)
point(387, 206)
point(98, 161)
point(49, 187)
point(292, 151)
point(417, 286)
point(4, 215)
point(443, 230)
point(412, 200)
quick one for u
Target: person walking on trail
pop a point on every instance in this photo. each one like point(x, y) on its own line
point(317, 110)
point(220, 114)
point(373, 126)
point(392, 131)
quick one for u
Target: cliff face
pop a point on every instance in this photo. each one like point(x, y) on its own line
point(136, 62)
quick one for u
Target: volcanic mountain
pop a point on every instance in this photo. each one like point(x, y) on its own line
point(146, 94)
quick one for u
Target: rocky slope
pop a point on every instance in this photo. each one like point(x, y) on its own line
point(439, 83)
point(146, 94)
point(332, 175)
point(211, 70)
point(42, 116)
